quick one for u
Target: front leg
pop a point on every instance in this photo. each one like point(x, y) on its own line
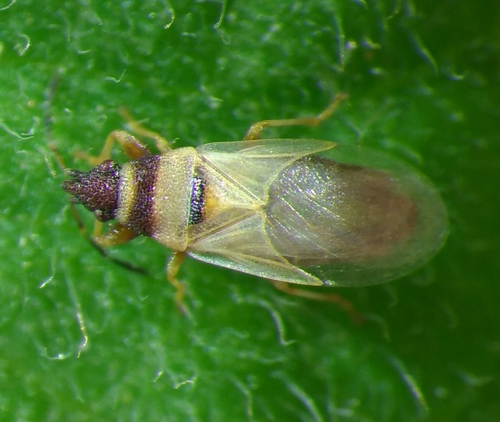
point(132, 147)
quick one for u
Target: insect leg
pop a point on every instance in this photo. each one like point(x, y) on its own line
point(131, 146)
point(325, 297)
point(255, 129)
point(161, 143)
point(99, 241)
point(115, 235)
point(173, 266)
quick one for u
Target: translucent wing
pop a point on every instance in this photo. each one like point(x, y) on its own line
point(244, 246)
point(354, 216)
point(253, 165)
point(347, 216)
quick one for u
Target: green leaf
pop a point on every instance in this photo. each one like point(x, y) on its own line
point(83, 339)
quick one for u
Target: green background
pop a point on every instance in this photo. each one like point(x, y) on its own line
point(82, 339)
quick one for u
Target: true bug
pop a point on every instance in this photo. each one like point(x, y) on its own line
point(291, 210)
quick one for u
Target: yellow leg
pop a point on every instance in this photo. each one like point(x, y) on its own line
point(115, 235)
point(173, 266)
point(99, 240)
point(324, 297)
point(255, 130)
point(131, 146)
point(161, 143)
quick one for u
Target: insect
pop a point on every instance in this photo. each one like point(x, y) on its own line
point(301, 211)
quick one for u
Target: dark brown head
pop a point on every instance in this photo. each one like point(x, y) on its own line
point(97, 189)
